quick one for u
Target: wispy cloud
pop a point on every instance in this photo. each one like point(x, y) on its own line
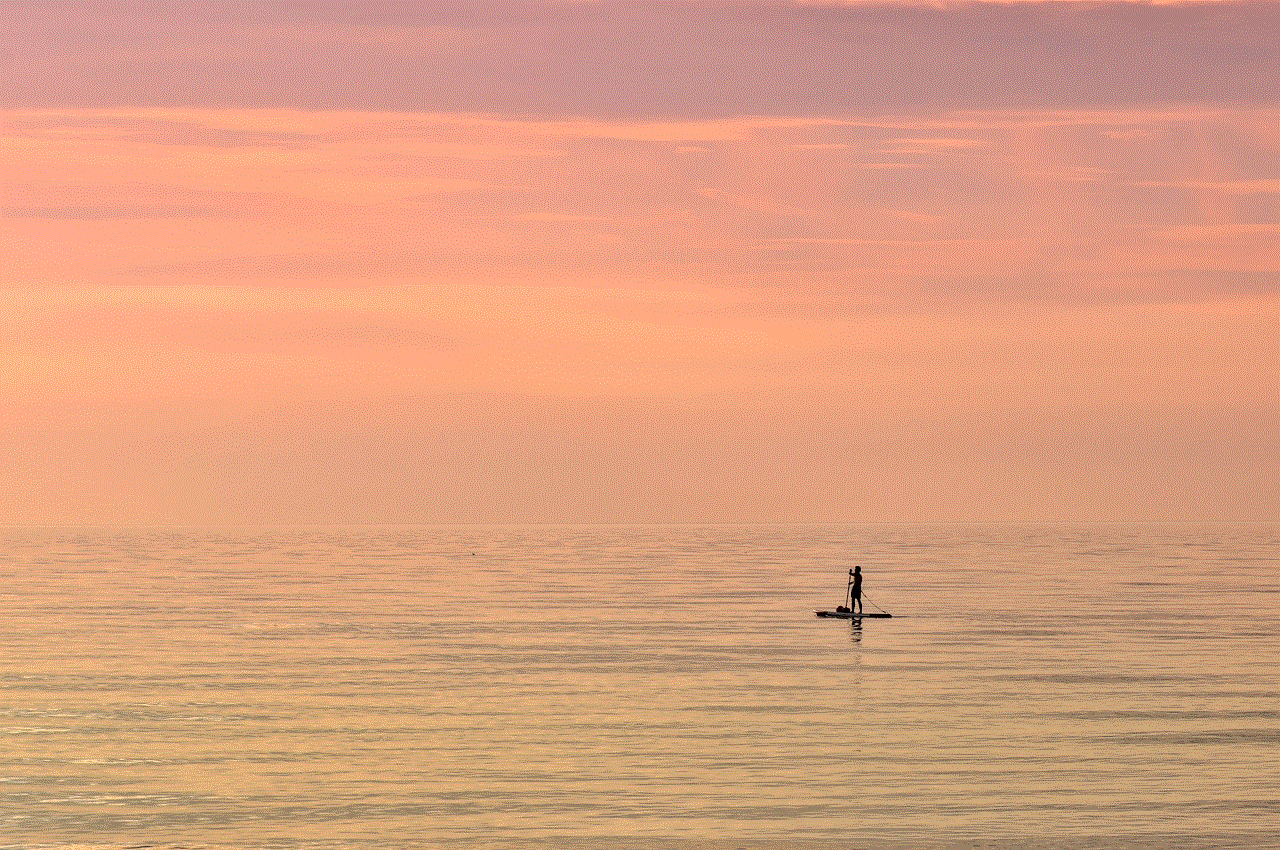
point(1223, 187)
point(395, 196)
point(718, 57)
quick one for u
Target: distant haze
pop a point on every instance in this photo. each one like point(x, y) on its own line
point(388, 262)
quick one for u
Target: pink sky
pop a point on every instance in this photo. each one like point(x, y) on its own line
point(615, 262)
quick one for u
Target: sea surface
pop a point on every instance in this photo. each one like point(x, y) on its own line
point(640, 688)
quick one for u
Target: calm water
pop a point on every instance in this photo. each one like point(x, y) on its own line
point(640, 687)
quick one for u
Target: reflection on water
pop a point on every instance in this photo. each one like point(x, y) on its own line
point(639, 687)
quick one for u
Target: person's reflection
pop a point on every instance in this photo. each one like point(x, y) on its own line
point(855, 629)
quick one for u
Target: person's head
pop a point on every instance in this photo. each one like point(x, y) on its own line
point(857, 571)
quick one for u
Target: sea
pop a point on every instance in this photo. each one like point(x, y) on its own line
point(640, 688)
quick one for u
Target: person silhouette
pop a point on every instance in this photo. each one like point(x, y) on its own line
point(855, 590)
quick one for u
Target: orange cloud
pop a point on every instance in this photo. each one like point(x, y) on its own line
point(402, 303)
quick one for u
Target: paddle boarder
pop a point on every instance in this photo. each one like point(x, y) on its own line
point(855, 589)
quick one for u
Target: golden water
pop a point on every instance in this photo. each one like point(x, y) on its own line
point(640, 687)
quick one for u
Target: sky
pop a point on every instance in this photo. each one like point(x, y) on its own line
point(612, 262)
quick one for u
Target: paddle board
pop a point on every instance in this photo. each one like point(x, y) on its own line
point(851, 615)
